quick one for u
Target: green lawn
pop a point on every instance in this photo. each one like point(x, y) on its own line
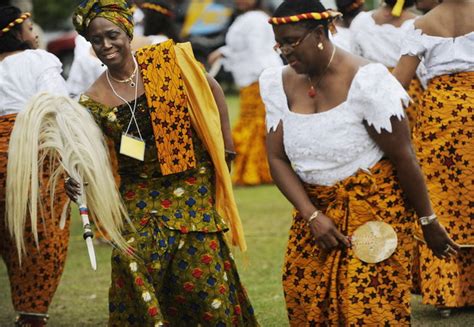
point(81, 299)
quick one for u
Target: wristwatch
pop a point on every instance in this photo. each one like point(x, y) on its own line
point(426, 220)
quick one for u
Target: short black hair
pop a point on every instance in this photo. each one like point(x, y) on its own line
point(296, 7)
point(346, 9)
point(9, 41)
point(156, 23)
point(407, 4)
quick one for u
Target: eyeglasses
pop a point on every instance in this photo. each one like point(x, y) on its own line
point(282, 48)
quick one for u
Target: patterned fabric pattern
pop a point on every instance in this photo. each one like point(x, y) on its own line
point(34, 283)
point(178, 280)
point(415, 91)
point(167, 100)
point(182, 272)
point(184, 201)
point(335, 288)
point(116, 11)
point(444, 144)
point(250, 165)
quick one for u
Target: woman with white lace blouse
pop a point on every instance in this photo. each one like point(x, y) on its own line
point(248, 51)
point(339, 150)
point(377, 36)
point(443, 40)
point(24, 72)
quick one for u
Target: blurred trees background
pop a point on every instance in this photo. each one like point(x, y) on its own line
point(54, 14)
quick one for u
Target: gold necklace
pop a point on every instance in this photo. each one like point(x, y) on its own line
point(312, 90)
point(130, 79)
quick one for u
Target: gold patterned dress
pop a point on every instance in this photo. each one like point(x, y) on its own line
point(181, 272)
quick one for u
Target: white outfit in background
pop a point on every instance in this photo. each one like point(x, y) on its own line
point(381, 43)
point(342, 39)
point(249, 48)
point(345, 145)
point(440, 55)
point(85, 68)
point(24, 74)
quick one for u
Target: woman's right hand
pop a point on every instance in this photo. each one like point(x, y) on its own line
point(438, 240)
point(326, 234)
point(72, 188)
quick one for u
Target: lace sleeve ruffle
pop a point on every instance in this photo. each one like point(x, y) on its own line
point(412, 43)
point(271, 91)
point(376, 96)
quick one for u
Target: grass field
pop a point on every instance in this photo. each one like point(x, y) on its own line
point(81, 299)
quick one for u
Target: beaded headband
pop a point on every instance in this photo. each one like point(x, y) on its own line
point(157, 8)
point(17, 21)
point(329, 14)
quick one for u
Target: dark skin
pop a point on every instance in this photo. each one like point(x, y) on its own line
point(332, 90)
point(113, 47)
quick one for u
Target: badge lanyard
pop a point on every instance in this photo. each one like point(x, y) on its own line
point(130, 145)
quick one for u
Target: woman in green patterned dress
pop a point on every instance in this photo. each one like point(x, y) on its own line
point(158, 109)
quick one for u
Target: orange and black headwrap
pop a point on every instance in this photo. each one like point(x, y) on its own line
point(116, 11)
point(328, 15)
point(156, 7)
point(16, 21)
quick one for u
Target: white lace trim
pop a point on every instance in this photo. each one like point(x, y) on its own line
point(327, 147)
point(440, 55)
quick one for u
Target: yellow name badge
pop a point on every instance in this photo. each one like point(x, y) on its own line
point(132, 147)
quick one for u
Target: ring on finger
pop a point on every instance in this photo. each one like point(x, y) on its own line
point(447, 249)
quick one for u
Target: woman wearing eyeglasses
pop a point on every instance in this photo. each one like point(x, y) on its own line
point(248, 51)
point(339, 150)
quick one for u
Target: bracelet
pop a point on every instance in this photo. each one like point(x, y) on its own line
point(230, 155)
point(313, 216)
point(426, 220)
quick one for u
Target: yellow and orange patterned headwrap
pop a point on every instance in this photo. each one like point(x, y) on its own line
point(16, 21)
point(116, 11)
point(328, 14)
point(156, 7)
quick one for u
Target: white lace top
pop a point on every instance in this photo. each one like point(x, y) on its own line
point(249, 48)
point(378, 43)
point(440, 55)
point(328, 147)
point(24, 74)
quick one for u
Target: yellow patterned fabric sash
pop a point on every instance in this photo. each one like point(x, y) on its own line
point(206, 122)
point(166, 95)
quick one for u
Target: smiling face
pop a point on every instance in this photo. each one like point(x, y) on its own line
point(299, 46)
point(28, 34)
point(110, 43)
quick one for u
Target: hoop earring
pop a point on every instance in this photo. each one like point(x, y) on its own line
point(320, 46)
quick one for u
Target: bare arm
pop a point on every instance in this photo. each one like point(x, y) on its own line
point(223, 112)
point(406, 69)
point(397, 146)
point(323, 229)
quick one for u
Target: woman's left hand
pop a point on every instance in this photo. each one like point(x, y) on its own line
point(438, 240)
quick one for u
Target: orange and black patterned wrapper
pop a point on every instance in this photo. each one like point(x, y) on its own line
point(443, 139)
point(251, 164)
point(34, 283)
point(334, 288)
